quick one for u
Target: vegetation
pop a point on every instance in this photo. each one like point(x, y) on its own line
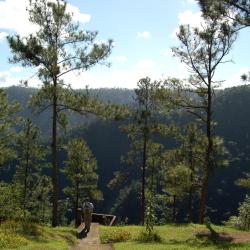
point(172, 135)
point(25, 235)
point(189, 236)
point(53, 49)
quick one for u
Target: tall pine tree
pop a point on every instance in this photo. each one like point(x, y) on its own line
point(56, 49)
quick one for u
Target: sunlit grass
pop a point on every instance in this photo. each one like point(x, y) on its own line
point(14, 235)
point(174, 237)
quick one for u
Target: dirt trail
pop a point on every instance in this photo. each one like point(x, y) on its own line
point(92, 241)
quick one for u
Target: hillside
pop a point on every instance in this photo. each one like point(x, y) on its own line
point(230, 112)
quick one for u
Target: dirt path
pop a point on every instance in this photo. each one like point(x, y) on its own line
point(92, 241)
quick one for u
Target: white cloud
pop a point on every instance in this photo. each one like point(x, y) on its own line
point(123, 78)
point(191, 2)
point(16, 69)
point(145, 64)
point(3, 35)
point(14, 17)
point(120, 58)
point(77, 15)
point(167, 52)
point(235, 79)
point(144, 34)
point(189, 17)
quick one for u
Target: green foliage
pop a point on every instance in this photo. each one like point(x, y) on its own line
point(8, 119)
point(115, 235)
point(24, 234)
point(80, 170)
point(29, 171)
point(10, 201)
point(59, 47)
point(145, 237)
point(245, 181)
point(242, 221)
point(237, 11)
point(11, 240)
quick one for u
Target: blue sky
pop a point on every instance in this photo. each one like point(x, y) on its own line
point(143, 33)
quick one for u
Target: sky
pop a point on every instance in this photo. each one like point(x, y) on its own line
point(143, 32)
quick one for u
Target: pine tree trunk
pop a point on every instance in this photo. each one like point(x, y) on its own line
point(144, 160)
point(190, 205)
point(54, 158)
point(76, 205)
point(174, 209)
point(26, 169)
point(190, 194)
point(204, 189)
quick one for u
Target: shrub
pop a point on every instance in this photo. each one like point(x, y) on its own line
point(24, 227)
point(11, 240)
point(116, 235)
point(144, 236)
point(242, 221)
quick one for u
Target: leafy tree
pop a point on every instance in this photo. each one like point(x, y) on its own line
point(8, 118)
point(202, 51)
point(80, 171)
point(56, 49)
point(31, 163)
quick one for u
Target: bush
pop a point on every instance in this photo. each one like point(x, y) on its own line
point(10, 240)
point(24, 227)
point(116, 235)
point(242, 221)
point(145, 237)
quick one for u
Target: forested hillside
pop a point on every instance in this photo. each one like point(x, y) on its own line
point(108, 143)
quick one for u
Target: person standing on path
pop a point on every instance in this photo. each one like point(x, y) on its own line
point(88, 209)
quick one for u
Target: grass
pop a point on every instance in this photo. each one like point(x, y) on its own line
point(174, 237)
point(29, 236)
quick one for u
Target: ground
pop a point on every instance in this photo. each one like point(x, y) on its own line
point(92, 241)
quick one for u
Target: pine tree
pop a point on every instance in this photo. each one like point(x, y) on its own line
point(237, 11)
point(140, 131)
point(80, 171)
point(8, 118)
point(31, 163)
point(56, 49)
point(203, 50)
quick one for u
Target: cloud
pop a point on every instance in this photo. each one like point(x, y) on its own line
point(194, 19)
point(167, 52)
point(192, 2)
point(2, 35)
point(16, 69)
point(144, 34)
point(120, 58)
point(123, 78)
point(14, 17)
point(235, 79)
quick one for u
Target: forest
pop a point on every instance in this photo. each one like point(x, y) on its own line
point(169, 152)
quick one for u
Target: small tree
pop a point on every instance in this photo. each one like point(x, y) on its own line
point(8, 118)
point(31, 163)
point(80, 171)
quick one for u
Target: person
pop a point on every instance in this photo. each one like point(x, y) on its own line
point(88, 209)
